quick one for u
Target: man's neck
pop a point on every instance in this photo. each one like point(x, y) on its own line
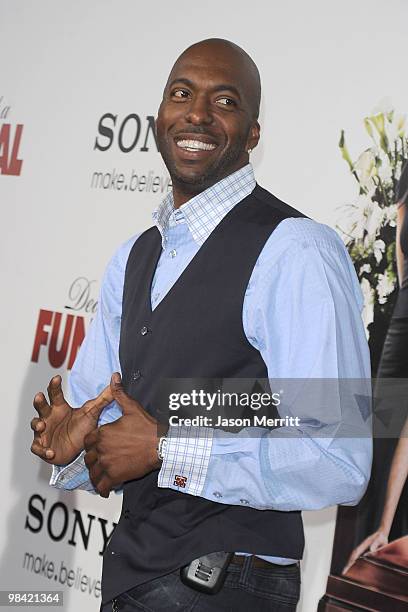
point(183, 192)
point(181, 197)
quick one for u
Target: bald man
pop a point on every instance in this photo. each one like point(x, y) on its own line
point(229, 283)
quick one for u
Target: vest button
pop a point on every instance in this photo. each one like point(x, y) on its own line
point(144, 330)
point(136, 375)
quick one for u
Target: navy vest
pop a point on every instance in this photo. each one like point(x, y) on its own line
point(196, 331)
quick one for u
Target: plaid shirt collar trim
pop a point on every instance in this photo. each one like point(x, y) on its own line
point(204, 211)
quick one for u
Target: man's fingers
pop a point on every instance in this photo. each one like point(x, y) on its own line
point(104, 486)
point(94, 407)
point(37, 425)
point(54, 391)
point(90, 458)
point(38, 449)
point(41, 405)
point(96, 473)
point(90, 440)
point(127, 403)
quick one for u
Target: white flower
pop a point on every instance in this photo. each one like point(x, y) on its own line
point(396, 127)
point(374, 218)
point(390, 215)
point(368, 307)
point(364, 216)
point(354, 222)
point(365, 161)
point(357, 226)
point(385, 286)
point(385, 172)
point(365, 268)
point(378, 248)
point(366, 170)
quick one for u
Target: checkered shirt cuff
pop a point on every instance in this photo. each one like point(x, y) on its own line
point(186, 459)
point(72, 476)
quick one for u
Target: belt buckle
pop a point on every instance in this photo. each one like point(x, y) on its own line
point(115, 606)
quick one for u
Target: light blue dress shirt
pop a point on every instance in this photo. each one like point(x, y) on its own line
point(301, 311)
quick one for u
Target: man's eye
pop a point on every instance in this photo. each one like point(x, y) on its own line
point(227, 101)
point(180, 93)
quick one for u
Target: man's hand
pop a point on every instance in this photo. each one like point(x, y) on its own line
point(59, 430)
point(125, 449)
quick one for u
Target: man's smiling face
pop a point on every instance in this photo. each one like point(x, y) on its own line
point(207, 120)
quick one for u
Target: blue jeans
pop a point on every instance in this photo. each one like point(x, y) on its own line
point(274, 589)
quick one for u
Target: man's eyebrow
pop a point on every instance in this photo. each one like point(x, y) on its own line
point(182, 80)
point(227, 87)
point(219, 87)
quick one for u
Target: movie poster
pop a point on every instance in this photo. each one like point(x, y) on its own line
point(371, 544)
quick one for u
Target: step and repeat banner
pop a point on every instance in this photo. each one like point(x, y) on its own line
point(80, 173)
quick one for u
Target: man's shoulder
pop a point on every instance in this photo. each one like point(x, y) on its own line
point(304, 231)
point(115, 269)
point(295, 225)
point(275, 204)
point(301, 237)
point(300, 248)
point(121, 254)
point(118, 262)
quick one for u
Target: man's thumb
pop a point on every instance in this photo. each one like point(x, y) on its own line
point(94, 407)
point(119, 393)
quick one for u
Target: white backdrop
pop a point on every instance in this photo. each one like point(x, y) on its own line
point(64, 65)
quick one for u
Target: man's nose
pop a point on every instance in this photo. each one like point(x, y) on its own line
point(199, 111)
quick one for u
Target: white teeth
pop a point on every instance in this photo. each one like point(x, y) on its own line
point(194, 145)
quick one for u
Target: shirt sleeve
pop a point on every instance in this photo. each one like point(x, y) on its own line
point(97, 359)
point(302, 311)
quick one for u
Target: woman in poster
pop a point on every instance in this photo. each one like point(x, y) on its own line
point(396, 481)
point(391, 520)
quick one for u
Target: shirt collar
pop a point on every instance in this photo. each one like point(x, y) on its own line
point(204, 211)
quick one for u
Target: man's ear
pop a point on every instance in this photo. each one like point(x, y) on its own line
point(254, 135)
